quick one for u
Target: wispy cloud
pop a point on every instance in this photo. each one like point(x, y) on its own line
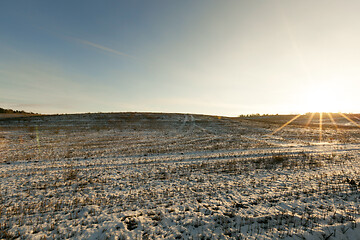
point(98, 46)
point(85, 42)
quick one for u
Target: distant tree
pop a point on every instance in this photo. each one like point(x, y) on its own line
point(253, 115)
point(4, 110)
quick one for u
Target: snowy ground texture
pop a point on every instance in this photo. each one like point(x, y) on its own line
point(176, 176)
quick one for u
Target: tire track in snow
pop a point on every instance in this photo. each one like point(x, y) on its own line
point(187, 158)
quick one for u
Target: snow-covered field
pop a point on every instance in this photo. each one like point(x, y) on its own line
point(177, 176)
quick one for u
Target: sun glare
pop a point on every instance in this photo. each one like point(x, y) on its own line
point(323, 99)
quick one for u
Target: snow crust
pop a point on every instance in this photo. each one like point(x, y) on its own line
point(174, 176)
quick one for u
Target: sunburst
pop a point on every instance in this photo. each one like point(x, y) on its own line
point(320, 127)
point(333, 121)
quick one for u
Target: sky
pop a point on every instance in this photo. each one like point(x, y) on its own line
point(208, 57)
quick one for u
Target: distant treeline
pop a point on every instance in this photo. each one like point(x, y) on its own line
point(3, 110)
point(256, 115)
point(272, 115)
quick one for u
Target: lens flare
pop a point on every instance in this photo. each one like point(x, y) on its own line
point(310, 118)
point(320, 126)
point(321, 122)
point(350, 120)
point(333, 121)
point(284, 125)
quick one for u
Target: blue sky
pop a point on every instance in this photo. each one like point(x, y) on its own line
point(211, 57)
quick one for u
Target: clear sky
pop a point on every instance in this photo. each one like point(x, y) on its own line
point(210, 57)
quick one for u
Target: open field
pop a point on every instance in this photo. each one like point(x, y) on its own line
point(178, 176)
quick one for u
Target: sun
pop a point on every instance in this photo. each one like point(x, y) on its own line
point(325, 100)
point(322, 99)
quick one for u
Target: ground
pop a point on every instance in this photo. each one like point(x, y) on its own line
point(178, 176)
